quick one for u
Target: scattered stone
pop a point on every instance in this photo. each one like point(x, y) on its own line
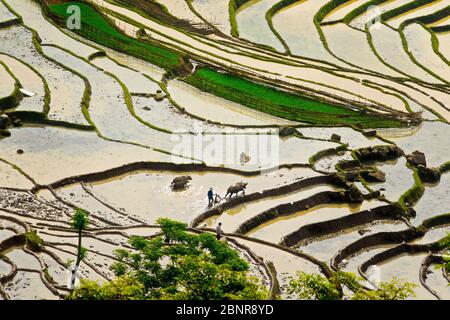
point(336, 137)
point(429, 175)
point(370, 133)
point(417, 158)
point(20, 151)
point(245, 158)
point(288, 131)
point(374, 176)
point(180, 183)
point(159, 96)
point(146, 108)
point(354, 194)
point(17, 123)
point(4, 122)
point(363, 231)
point(379, 153)
point(375, 194)
point(5, 133)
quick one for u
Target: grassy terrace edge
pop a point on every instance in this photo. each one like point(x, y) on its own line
point(270, 100)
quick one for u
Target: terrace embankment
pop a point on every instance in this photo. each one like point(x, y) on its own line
point(410, 249)
point(294, 187)
point(137, 166)
point(389, 238)
point(301, 108)
point(291, 208)
point(321, 229)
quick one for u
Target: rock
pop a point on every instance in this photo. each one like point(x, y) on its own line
point(373, 176)
point(429, 175)
point(370, 133)
point(354, 194)
point(351, 175)
point(349, 165)
point(180, 183)
point(5, 133)
point(159, 96)
point(146, 108)
point(363, 231)
point(17, 123)
point(417, 158)
point(379, 153)
point(336, 137)
point(245, 158)
point(375, 194)
point(288, 131)
point(4, 122)
point(20, 151)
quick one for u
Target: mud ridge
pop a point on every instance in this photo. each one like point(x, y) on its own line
point(389, 238)
point(153, 166)
point(293, 187)
point(321, 229)
point(286, 209)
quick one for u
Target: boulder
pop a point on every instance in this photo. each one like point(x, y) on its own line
point(4, 122)
point(429, 175)
point(5, 133)
point(180, 183)
point(379, 153)
point(159, 96)
point(363, 231)
point(336, 137)
point(373, 176)
point(349, 165)
point(354, 194)
point(288, 131)
point(244, 158)
point(370, 133)
point(417, 158)
point(17, 123)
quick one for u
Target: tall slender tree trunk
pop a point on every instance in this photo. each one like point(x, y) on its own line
point(77, 263)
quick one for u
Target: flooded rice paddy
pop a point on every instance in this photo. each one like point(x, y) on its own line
point(101, 126)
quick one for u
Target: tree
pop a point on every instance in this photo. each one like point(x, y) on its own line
point(317, 287)
point(313, 287)
point(176, 265)
point(80, 221)
point(393, 290)
point(122, 288)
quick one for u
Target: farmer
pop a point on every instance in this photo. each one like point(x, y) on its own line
point(210, 196)
point(219, 231)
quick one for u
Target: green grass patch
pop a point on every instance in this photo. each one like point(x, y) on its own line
point(97, 28)
point(282, 104)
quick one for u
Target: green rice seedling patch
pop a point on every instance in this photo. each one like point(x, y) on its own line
point(96, 28)
point(282, 104)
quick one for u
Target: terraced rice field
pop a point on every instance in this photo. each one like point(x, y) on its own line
point(319, 105)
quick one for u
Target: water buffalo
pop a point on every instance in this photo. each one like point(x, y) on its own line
point(238, 187)
point(180, 183)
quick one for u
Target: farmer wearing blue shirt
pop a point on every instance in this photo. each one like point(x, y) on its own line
point(210, 196)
